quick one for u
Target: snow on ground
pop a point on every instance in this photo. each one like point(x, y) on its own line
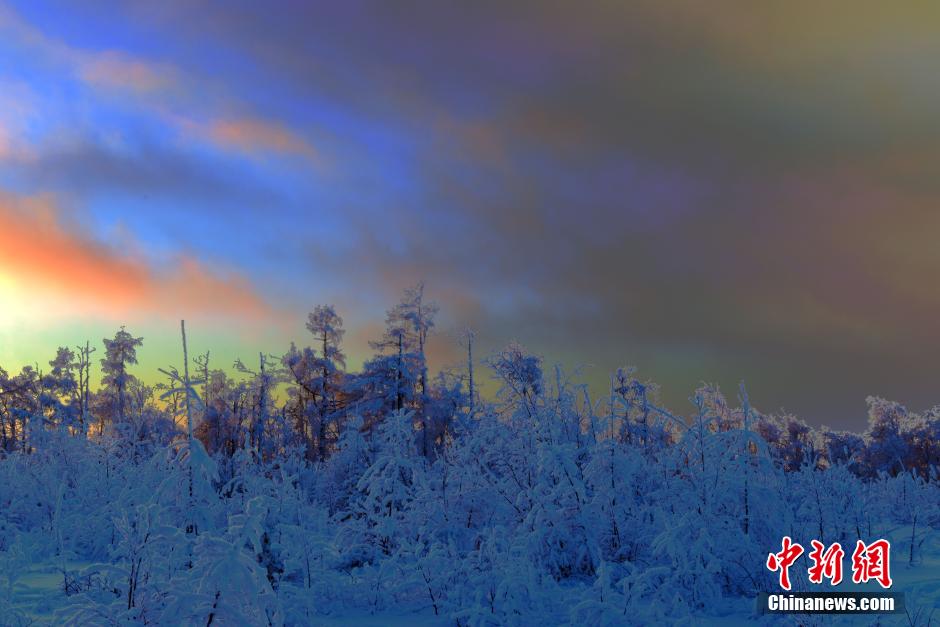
point(537, 512)
point(38, 592)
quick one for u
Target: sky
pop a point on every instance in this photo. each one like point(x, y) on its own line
point(711, 192)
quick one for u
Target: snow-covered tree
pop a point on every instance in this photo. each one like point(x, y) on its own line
point(407, 326)
point(120, 352)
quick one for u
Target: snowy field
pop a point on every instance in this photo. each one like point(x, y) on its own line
point(401, 547)
point(38, 592)
point(385, 500)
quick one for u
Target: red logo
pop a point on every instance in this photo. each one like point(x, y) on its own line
point(783, 560)
point(869, 561)
point(826, 564)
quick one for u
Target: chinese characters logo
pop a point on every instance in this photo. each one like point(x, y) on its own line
point(869, 562)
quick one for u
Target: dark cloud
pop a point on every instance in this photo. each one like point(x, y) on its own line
point(143, 169)
point(710, 192)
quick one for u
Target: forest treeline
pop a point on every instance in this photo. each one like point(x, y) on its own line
point(290, 488)
point(303, 400)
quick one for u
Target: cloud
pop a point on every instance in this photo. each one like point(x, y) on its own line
point(7, 149)
point(115, 69)
point(109, 68)
point(164, 92)
point(51, 267)
point(707, 191)
point(253, 137)
point(80, 164)
point(18, 103)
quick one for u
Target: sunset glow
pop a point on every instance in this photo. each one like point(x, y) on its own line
point(435, 314)
point(718, 195)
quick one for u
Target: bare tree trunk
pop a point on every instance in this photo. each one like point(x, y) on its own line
point(191, 524)
point(398, 394)
point(745, 456)
point(470, 369)
point(324, 406)
point(88, 352)
point(189, 411)
point(424, 390)
point(81, 387)
point(204, 366)
point(262, 408)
